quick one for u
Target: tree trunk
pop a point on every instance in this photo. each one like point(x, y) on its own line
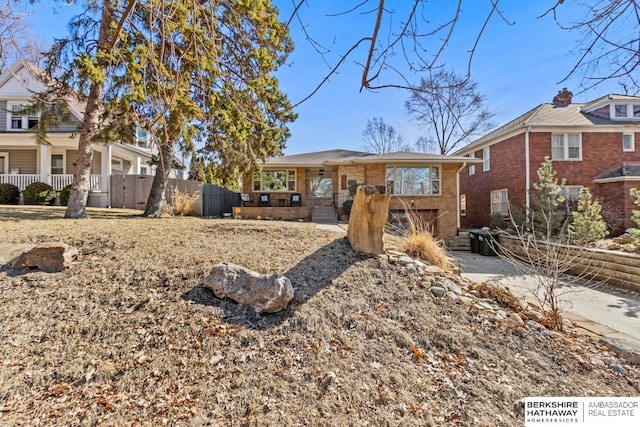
point(156, 199)
point(367, 219)
point(77, 205)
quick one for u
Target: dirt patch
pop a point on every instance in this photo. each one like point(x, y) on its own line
point(129, 336)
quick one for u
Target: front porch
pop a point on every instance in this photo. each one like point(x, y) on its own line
point(58, 182)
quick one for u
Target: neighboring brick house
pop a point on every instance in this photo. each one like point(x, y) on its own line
point(293, 186)
point(591, 145)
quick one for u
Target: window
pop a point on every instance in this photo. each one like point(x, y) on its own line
point(141, 137)
point(4, 163)
point(500, 202)
point(486, 156)
point(57, 164)
point(274, 180)
point(463, 205)
point(418, 180)
point(566, 146)
point(116, 165)
point(620, 110)
point(144, 170)
point(624, 111)
point(472, 168)
point(23, 117)
point(628, 142)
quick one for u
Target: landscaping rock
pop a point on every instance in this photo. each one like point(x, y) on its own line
point(438, 291)
point(405, 259)
point(628, 350)
point(266, 293)
point(624, 239)
point(49, 257)
point(451, 286)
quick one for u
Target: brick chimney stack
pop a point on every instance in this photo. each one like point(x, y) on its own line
point(563, 97)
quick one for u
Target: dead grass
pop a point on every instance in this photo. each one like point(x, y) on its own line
point(424, 246)
point(129, 336)
point(182, 203)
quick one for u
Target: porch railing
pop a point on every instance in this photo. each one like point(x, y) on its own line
point(58, 182)
point(307, 200)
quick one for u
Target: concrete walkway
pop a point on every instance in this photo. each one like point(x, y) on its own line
point(599, 308)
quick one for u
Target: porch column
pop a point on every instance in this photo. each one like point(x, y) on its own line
point(136, 165)
point(105, 151)
point(45, 163)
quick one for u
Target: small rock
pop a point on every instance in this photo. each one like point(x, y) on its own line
point(451, 286)
point(618, 369)
point(411, 268)
point(405, 259)
point(438, 291)
point(465, 300)
point(517, 318)
point(624, 239)
point(433, 269)
point(628, 248)
point(534, 325)
point(419, 264)
point(535, 316)
point(595, 361)
point(613, 246)
point(484, 306)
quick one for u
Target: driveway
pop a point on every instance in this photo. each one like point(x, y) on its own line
point(604, 309)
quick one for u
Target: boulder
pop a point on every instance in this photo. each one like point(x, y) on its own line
point(50, 257)
point(266, 293)
point(624, 239)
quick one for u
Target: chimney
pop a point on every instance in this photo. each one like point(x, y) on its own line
point(563, 98)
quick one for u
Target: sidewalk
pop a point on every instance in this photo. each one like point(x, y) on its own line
point(600, 309)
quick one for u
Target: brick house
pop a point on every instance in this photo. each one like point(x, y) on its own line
point(296, 186)
point(591, 145)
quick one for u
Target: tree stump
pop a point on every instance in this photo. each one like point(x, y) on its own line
point(367, 219)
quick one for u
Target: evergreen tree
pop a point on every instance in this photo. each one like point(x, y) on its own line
point(548, 215)
point(635, 232)
point(587, 225)
point(184, 70)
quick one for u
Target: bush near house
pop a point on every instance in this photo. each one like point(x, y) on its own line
point(38, 193)
point(346, 207)
point(64, 195)
point(9, 194)
point(635, 215)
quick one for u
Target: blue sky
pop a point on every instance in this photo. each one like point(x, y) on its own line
point(516, 67)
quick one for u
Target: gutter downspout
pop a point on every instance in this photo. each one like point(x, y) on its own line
point(464, 165)
point(527, 170)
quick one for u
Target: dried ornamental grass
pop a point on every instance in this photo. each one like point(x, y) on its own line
point(183, 203)
point(424, 246)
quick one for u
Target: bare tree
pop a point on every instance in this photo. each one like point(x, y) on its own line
point(609, 44)
point(380, 137)
point(406, 38)
point(15, 39)
point(451, 109)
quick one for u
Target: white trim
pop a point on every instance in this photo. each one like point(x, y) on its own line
point(617, 179)
point(629, 113)
point(486, 159)
point(458, 195)
point(120, 162)
point(565, 147)
point(285, 190)
point(633, 143)
point(506, 191)
point(5, 155)
point(527, 169)
point(472, 168)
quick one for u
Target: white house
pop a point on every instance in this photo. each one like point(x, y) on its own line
point(22, 161)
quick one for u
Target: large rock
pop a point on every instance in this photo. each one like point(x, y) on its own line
point(266, 293)
point(50, 257)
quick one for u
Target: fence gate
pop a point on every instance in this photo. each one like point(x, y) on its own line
point(216, 201)
point(130, 191)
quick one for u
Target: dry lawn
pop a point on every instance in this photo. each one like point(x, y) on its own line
point(128, 336)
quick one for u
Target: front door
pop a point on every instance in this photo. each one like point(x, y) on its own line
point(321, 190)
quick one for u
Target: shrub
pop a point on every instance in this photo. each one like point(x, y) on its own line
point(38, 193)
point(588, 224)
point(182, 203)
point(64, 195)
point(346, 206)
point(9, 194)
point(422, 244)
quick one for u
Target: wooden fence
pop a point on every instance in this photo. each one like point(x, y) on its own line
point(132, 192)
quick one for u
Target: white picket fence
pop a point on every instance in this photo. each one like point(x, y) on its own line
point(58, 182)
